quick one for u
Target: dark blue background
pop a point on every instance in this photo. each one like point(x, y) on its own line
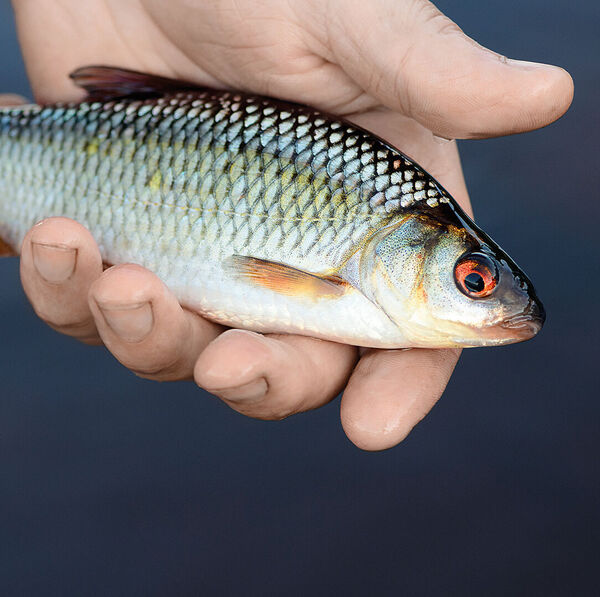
point(110, 485)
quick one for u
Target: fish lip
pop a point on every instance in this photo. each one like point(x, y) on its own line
point(527, 323)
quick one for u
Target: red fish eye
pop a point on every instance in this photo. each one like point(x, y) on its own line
point(476, 275)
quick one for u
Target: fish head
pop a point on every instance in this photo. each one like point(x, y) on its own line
point(445, 283)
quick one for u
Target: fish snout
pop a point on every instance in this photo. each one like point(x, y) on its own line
point(527, 324)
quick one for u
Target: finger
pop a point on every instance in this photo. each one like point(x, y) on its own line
point(271, 377)
point(10, 99)
point(390, 391)
point(59, 262)
point(141, 322)
point(431, 71)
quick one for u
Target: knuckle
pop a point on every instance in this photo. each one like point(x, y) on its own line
point(265, 409)
point(157, 371)
point(261, 412)
point(428, 14)
point(60, 321)
point(161, 376)
point(84, 331)
point(71, 328)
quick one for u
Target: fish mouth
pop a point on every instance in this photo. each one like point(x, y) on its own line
point(526, 324)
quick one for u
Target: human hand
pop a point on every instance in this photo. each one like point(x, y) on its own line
point(400, 69)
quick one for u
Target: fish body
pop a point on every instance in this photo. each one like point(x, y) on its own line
point(260, 214)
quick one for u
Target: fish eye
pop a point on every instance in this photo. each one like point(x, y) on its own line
point(476, 275)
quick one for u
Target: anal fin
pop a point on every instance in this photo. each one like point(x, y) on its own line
point(287, 280)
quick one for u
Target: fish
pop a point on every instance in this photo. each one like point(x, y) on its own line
point(262, 214)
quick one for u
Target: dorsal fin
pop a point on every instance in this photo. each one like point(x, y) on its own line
point(108, 83)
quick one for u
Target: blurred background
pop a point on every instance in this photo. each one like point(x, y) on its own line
point(110, 485)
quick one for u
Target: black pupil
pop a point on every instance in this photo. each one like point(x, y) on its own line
point(474, 282)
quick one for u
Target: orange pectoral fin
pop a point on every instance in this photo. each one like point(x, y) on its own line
point(6, 250)
point(287, 280)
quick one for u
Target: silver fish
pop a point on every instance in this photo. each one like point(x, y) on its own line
point(261, 214)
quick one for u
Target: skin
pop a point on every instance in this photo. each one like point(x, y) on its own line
point(400, 68)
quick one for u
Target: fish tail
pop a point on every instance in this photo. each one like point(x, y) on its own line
point(6, 250)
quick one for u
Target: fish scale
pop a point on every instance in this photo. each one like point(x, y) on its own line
point(181, 182)
point(97, 141)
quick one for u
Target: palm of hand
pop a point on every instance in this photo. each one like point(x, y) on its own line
point(270, 48)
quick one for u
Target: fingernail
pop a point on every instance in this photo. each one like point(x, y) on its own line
point(54, 263)
point(11, 99)
point(252, 390)
point(440, 140)
point(132, 323)
point(525, 64)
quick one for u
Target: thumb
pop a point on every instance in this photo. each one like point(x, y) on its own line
point(413, 59)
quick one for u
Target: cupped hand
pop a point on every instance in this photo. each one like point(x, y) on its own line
point(399, 68)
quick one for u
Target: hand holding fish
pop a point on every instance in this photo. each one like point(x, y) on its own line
point(399, 69)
